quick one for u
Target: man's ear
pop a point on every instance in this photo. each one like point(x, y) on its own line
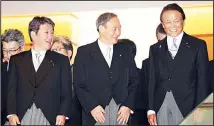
point(70, 53)
point(33, 35)
point(101, 28)
point(23, 48)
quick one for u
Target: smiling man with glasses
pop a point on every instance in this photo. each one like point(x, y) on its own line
point(13, 43)
point(62, 45)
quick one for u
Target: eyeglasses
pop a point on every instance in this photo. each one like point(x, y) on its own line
point(12, 51)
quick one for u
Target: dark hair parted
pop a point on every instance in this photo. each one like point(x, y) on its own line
point(173, 6)
point(36, 22)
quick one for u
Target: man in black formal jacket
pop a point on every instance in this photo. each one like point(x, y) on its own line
point(105, 76)
point(39, 80)
point(211, 76)
point(3, 87)
point(178, 71)
point(12, 43)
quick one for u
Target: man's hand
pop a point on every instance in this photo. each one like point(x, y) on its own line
point(60, 120)
point(123, 115)
point(152, 119)
point(98, 114)
point(13, 120)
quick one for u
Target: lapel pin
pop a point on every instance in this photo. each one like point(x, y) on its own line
point(120, 55)
point(160, 46)
point(52, 63)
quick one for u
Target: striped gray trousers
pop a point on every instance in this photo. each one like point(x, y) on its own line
point(111, 114)
point(169, 113)
point(33, 116)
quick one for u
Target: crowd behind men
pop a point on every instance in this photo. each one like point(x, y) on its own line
point(103, 86)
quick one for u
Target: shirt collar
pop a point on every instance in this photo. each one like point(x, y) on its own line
point(104, 46)
point(42, 52)
point(178, 38)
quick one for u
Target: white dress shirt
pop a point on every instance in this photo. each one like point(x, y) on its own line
point(170, 44)
point(104, 49)
point(35, 63)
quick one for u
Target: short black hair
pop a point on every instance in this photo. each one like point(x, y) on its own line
point(173, 6)
point(36, 22)
point(130, 43)
point(160, 29)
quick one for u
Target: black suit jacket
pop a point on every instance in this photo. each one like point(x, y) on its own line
point(211, 75)
point(3, 91)
point(49, 88)
point(96, 84)
point(143, 86)
point(186, 76)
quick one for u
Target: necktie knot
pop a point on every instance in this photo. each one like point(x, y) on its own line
point(37, 57)
point(174, 43)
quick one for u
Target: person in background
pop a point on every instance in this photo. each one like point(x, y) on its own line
point(160, 33)
point(139, 117)
point(12, 43)
point(211, 76)
point(63, 45)
point(3, 87)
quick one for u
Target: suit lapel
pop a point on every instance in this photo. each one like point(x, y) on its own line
point(44, 68)
point(30, 68)
point(183, 52)
point(116, 62)
point(163, 54)
point(97, 55)
point(101, 63)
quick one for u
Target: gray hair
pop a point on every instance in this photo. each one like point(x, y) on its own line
point(104, 18)
point(13, 35)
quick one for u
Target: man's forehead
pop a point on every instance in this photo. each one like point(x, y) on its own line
point(57, 44)
point(10, 44)
point(46, 27)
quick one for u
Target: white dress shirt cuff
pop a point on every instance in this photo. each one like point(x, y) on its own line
point(132, 112)
point(10, 115)
point(150, 112)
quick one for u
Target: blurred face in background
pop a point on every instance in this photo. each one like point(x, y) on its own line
point(160, 36)
point(172, 22)
point(11, 48)
point(59, 48)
